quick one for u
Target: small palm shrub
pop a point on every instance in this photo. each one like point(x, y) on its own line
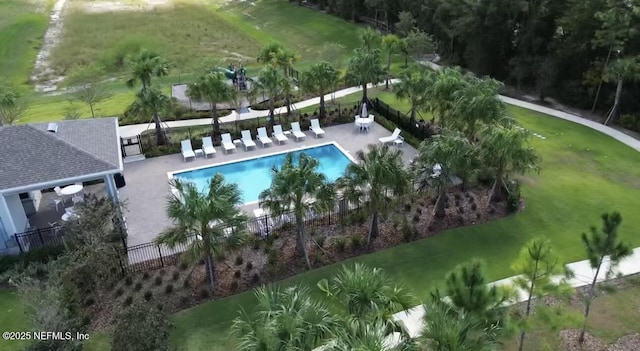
point(168, 289)
point(341, 244)
point(147, 295)
point(158, 281)
point(356, 241)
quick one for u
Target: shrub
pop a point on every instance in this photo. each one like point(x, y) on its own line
point(474, 206)
point(148, 295)
point(234, 285)
point(158, 281)
point(407, 232)
point(204, 293)
point(145, 276)
point(513, 199)
point(183, 266)
point(249, 266)
point(356, 241)
point(630, 122)
point(128, 300)
point(186, 283)
point(407, 207)
point(118, 292)
point(255, 278)
point(457, 196)
point(237, 274)
point(341, 244)
point(159, 306)
point(89, 301)
point(418, 211)
point(461, 209)
point(239, 260)
point(492, 210)
point(168, 289)
point(272, 257)
point(137, 287)
point(128, 280)
point(320, 241)
point(256, 244)
point(162, 272)
point(416, 218)
point(175, 276)
point(478, 215)
point(457, 203)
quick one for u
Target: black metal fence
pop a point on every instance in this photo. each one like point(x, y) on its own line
point(37, 238)
point(152, 256)
point(419, 129)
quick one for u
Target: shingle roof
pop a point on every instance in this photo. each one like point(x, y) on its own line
point(29, 154)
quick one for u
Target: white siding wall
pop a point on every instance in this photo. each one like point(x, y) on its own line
point(16, 211)
point(7, 223)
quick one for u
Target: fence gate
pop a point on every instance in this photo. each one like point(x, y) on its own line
point(131, 146)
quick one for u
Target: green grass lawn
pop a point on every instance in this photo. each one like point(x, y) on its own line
point(22, 26)
point(12, 318)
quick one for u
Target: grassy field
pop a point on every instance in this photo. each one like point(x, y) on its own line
point(12, 318)
point(22, 26)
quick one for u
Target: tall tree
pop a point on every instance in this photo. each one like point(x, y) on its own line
point(269, 54)
point(535, 269)
point(300, 188)
point(270, 84)
point(319, 80)
point(406, 23)
point(601, 243)
point(152, 101)
point(284, 319)
point(414, 86)
point(12, 105)
point(613, 34)
point(419, 44)
point(364, 67)
point(439, 159)
point(376, 180)
point(446, 84)
point(212, 86)
point(467, 289)
point(391, 45)
point(145, 65)
point(207, 221)
point(370, 39)
point(476, 104)
point(445, 329)
point(88, 88)
point(619, 71)
point(505, 152)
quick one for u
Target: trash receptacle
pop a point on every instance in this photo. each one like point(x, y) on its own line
point(119, 179)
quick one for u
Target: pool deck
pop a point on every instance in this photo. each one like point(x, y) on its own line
point(147, 189)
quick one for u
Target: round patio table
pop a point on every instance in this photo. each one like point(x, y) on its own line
point(71, 189)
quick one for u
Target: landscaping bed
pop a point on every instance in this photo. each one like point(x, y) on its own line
point(332, 239)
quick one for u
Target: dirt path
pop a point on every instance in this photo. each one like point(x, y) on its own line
point(43, 75)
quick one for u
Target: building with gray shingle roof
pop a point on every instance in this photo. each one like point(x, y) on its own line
point(42, 156)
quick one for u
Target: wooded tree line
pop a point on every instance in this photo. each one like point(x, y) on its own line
point(561, 48)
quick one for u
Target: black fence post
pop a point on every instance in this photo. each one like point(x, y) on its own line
point(19, 244)
point(160, 254)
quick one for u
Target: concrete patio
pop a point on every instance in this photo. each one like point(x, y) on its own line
point(147, 189)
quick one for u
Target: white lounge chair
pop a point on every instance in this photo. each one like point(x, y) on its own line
point(207, 147)
point(227, 144)
point(187, 150)
point(263, 137)
point(315, 128)
point(295, 130)
point(247, 140)
point(392, 138)
point(279, 134)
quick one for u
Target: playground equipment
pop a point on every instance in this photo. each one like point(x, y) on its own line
point(238, 77)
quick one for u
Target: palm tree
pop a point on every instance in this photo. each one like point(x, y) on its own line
point(277, 55)
point(212, 87)
point(319, 79)
point(440, 158)
point(476, 104)
point(414, 85)
point(369, 39)
point(364, 68)
point(367, 295)
point(363, 335)
point(448, 330)
point(202, 221)
point(446, 84)
point(378, 176)
point(391, 45)
point(269, 54)
point(299, 188)
point(145, 65)
point(12, 105)
point(288, 319)
point(151, 101)
point(270, 84)
point(619, 71)
point(505, 152)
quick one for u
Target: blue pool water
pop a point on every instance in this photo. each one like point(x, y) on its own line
point(254, 175)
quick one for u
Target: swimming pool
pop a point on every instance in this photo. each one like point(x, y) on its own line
point(254, 175)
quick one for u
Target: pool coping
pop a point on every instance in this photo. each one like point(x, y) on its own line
point(171, 174)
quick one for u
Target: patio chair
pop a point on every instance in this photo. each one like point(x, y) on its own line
point(295, 130)
point(315, 128)
point(187, 150)
point(263, 137)
point(227, 144)
point(247, 140)
point(56, 202)
point(207, 147)
point(77, 199)
point(392, 138)
point(279, 134)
